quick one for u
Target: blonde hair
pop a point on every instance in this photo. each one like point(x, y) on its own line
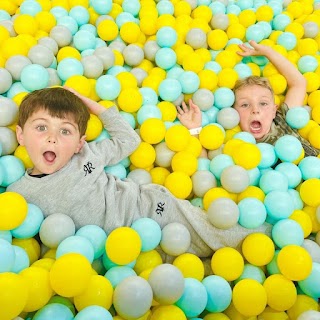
point(253, 81)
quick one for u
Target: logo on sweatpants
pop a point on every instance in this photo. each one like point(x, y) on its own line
point(160, 208)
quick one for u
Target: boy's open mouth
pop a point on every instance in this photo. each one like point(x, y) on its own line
point(49, 156)
point(255, 126)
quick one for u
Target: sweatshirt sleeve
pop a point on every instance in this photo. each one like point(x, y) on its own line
point(123, 139)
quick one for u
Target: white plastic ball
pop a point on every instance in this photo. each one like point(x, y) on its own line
point(203, 98)
point(164, 155)
point(150, 49)
point(196, 38)
point(133, 55)
point(5, 80)
point(140, 74)
point(106, 55)
point(176, 239)
point(15, 64)
point(8, 110)
point(61, 34)
point(140, 176)
point(41, 55)
point(8, 141)
point(309, 315)
point(311, 29)
point(235, 179)
point(50, 43)
point(223, 213)
point(202, 181)
point(220, 21)
point(93, 66)
point(313, 248)
point(228, 118)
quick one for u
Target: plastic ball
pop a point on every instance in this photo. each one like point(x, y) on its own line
point(175, 239)
point(106, 55)
point(258, 249)
point(170, 312)
point(255, 32)
point(149, 232)
point(169, 89)
point(246, 155)
point(13, 296)
point(273, 180)
point(70, 275)
point(133, 55)
point(228, 118)
point(249, 297)
point(310, 314)
point(51, 233)
point(310, 284)
point(147, 111)
point(268, 155)
point(163, 155)
point(310, 192)
point(223, 98)
point(144, 156)
point(21, 261)
point(8, 141)
point(223, 213)
point(167, 283)
point(281, 292)
point(252, 212)
point(94, 312)
point(234, 179)
point(152, 130)
point(9, 110)
point(194, 298)
point(303, 303)
point(140, 176)
point(311, 29)
point(203, 98)
point(58, 309)
point(117, 274)
point(34, 77)
point(206, 137)
point(189, 81)
point(184, 162)
point(309, 167)
point(166, 36)
point(202, 181)
point(217, 39)
point(7, 256)
point(41, 55)
point(307, 63)
point(252, 272)
point(219, 293)
point(190, 265)
point(146, 261)
point(286, 232)
point(177, 137)
point(196, 38)
point(227, 263)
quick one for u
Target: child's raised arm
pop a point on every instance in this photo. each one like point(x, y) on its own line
point(296, 89)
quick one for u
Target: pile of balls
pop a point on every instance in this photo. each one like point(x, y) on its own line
point(147, 57)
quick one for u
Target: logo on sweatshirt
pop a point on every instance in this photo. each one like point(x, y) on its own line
point(88, 168)
point(160, 208)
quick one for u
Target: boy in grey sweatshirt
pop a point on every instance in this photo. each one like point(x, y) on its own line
point(68, 175)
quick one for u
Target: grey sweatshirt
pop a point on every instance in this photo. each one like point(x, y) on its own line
point(89, 195)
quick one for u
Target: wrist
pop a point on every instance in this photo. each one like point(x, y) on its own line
point(195, 131)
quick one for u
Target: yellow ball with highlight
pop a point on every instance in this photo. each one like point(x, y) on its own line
point(4, 34)
point(14, 46)
point(307, 46)
point(227, 78)
point(303, 303)
point(168, 110)
point(182, 51)
point(313, 81)
point(68, 52)
point(226, 59)
point(314, 99)
point(107, 30)
point(296, 28)
point(94, 127)
point(179, 184)
point(314, 137)
point(144, 156)
point(46, 20)
point(193, 62)
point(127, 80)
point(246, 155)
point(236, 30)
point(304, 132)
point(25, 24)
point(278, 83)
point(79, 83)
point(148, 26)
point(304, 220)
point(208, 79)
point(146, 260)
point(152, 130)
point(247, 17)
point(264, 13)
point(211, 137)
point(194, 147)
point(190, 265)
point(130, 32)
point(177, 137)
point(22, 154)
point(182, 8)
point(130, 100)
point(217, 39)
point(251, 192)
point(159, 175)
point(185, 162)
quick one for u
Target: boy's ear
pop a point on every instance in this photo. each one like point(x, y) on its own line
point(19, 134)
point(81, 143)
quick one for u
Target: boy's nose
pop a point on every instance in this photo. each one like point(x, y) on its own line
point(51, 139)
point(255, 110)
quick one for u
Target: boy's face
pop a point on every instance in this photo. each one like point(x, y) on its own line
point(50, 142)
point(256, 108)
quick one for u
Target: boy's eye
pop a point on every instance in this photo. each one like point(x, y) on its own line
point(41, 128)
point(245, 105)
point(65, 131)
point(264, 104)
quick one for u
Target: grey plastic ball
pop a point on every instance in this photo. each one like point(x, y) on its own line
point(228, 118)
point(54, 79)
point(5, 81)
point(49, 43)
point(133, 55)
point(203, 98)
point(235, 179)
point(118, 45)
point(202, 181)
point(196, 38)
point(93, 66)
point(106, 55)
point(8, 141)
point(150, 49)
point(62, 35)
point(163, 155)
point(139, 74)
point(311, 29)
point(8, 24)
point(140, 176)
point(41, 55)
point(15, 64)
point(220, 21)
point(8, 110)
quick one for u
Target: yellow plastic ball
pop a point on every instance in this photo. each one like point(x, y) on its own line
point(182, 8)
point(194, 147)
point(165, 20)
point(13, 210)
point(294, 262)
point(315, 113)
point(107, 30)
point(144, 156)
point(258, 249)
point(130, 100)
point(226, 59)
point(130, 32)
point(230, 145)
point(213, 194)
point(202, 12)
point(227, 78)
point(278, 83)
point(99, 292)
point(310, 192)
point(249, 297)
point(127, 80)
point(45, 263)
point(79, 83)
point(177, 137)
point(171, 312)
point(4, 34)
point(152, 130)
point(211, 137)
point(314, 99)
point(179, 184)
point(39, 288)
point(295, 28)
point(193, 62)
point(311, 212)
point(247, 17)
point(236, 30)
point(303, 303)
point(185, 162)
point(255, 69)
point(46, 20)
point(304, 220)
point(68, 52)
point(307, 46)
point(295, 8)
point(204, 53)
point(252, 192)
point(168, 111)
point(313, 81)
point(94, 127)
point(281, 292)
point(70, 275)
point(264, 13)
point(146, 260)
point(115, 10)
point(246, 155)
point(304, 132)
point(148, 26)
point(13, 295)
point(314, 137)
point(25, 24)
point(208, 79)
point(217, 39)
point(123, 245)
point(227, 263)
point(118, 58)
point(190, 265)
point(216, 316)
point(271, 314)
point(14, 46)
point(22, 154)
point(182, 51)
point(146, 65)
point(159, 175)
point(31, 246)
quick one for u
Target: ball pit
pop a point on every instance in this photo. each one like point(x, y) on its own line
point(146, 57)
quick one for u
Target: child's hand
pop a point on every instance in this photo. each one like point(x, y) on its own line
point(190, 117)
point(93, 106)
point(256, 50)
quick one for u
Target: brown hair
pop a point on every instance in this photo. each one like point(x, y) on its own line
point(253, 81)
point(59, 103)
